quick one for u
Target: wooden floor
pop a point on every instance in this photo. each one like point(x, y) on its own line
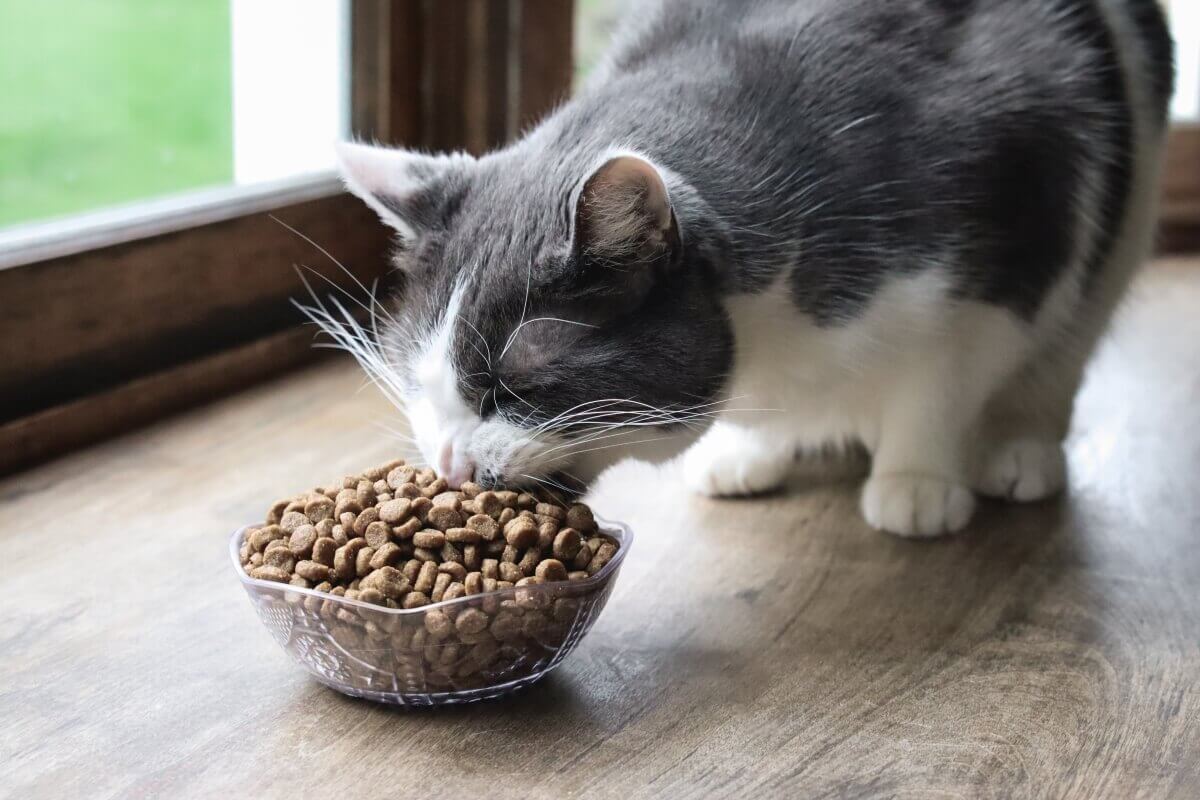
point(769, 648)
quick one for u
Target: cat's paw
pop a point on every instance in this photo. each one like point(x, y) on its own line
point(728, 462)
point(916, 505)
point(1024, 470)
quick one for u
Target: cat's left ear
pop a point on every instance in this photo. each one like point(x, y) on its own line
point(624, 217)
point(400, 185)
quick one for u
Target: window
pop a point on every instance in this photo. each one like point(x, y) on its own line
point(121, 101)
point(1185, 23)
point(148, 153)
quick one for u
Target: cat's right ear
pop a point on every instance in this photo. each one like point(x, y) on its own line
point(398, 184)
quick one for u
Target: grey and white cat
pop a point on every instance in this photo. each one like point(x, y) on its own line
point(903, 223)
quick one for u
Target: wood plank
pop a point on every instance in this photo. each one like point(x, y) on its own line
point(1180, 221)
point(63, 428)
point(767, 648)
point(87, 323)
point(545, 49)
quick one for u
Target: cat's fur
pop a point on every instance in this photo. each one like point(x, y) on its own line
point(903, 223)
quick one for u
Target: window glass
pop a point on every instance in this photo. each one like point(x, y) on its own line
point(110, 102)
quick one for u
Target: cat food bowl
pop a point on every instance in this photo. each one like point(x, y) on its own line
point(470, 648)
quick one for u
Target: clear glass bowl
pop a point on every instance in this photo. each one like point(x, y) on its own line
point(406, 657)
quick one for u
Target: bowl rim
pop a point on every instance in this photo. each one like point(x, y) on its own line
point(618, 530)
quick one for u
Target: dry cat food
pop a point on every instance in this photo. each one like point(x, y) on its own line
point(397, 537)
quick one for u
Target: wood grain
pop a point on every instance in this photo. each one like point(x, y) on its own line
point(54, 431)
point(86, 323)
point(765, 648)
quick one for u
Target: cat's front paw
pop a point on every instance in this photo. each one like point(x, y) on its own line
point(916, 505)
point(728, 462)
point(1024, 470)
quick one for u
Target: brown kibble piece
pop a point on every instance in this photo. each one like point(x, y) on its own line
point(378, 533)
point(363, 520)
point(344, 564)
point(394, 511)
point(521, 533)
point(400, 476)
point(408, 491)
point(386, 555)
point(470, 489)
point(281, 558)
point(425, 554)
point(550, 510)
point(603, 555)
point(323, 551)
point(389, 581)
point(526, 501)
point(407, 529)
point(507, 497)
point(325, 527)
point(318, 509)
point(439, 586)
point(270, 573)
point(366, 493)
point(551, 570)
point(444, 518)
point(510, 572)
point(490, 568)
point(347, 506)
point(485, 526)
point(277, 511)
point(488, 503)
point(455, 569)
point(302, 540)
point(414, 600)
point(506, 516)
point(312, 571)
point(437, 623)
point(411, 569)
point(471, 621)
point(426, 577)
point(580, 518)
point(529, 561)
point(292, 520)
point(463, 535)
point(578, 575)
point(566, 544)
point(454, 591)
point(362, 562)
point(546, 533)
point(583, 557)
point(373, 596)
point(434, 489)
point(473, 582)
point(424, 477)
point(471, 557)
point(429, 539)
point(451, 553)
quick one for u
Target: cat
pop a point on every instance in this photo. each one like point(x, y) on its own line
point(778, 225)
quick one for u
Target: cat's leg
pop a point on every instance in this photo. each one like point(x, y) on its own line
point(920, 473)
point(736, 458)
point(1020, 454)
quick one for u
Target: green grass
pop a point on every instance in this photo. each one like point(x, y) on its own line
point(107, 101)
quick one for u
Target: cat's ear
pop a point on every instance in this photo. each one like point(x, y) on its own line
point(624, 216)
point(397, 184)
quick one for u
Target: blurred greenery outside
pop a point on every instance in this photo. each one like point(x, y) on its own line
point(105, 102)
point(113, 101)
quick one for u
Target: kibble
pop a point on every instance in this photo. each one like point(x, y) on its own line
point(397, 537)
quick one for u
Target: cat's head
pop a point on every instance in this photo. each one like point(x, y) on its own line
point(543, 305)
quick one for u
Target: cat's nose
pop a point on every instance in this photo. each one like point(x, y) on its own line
point(455, 466)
